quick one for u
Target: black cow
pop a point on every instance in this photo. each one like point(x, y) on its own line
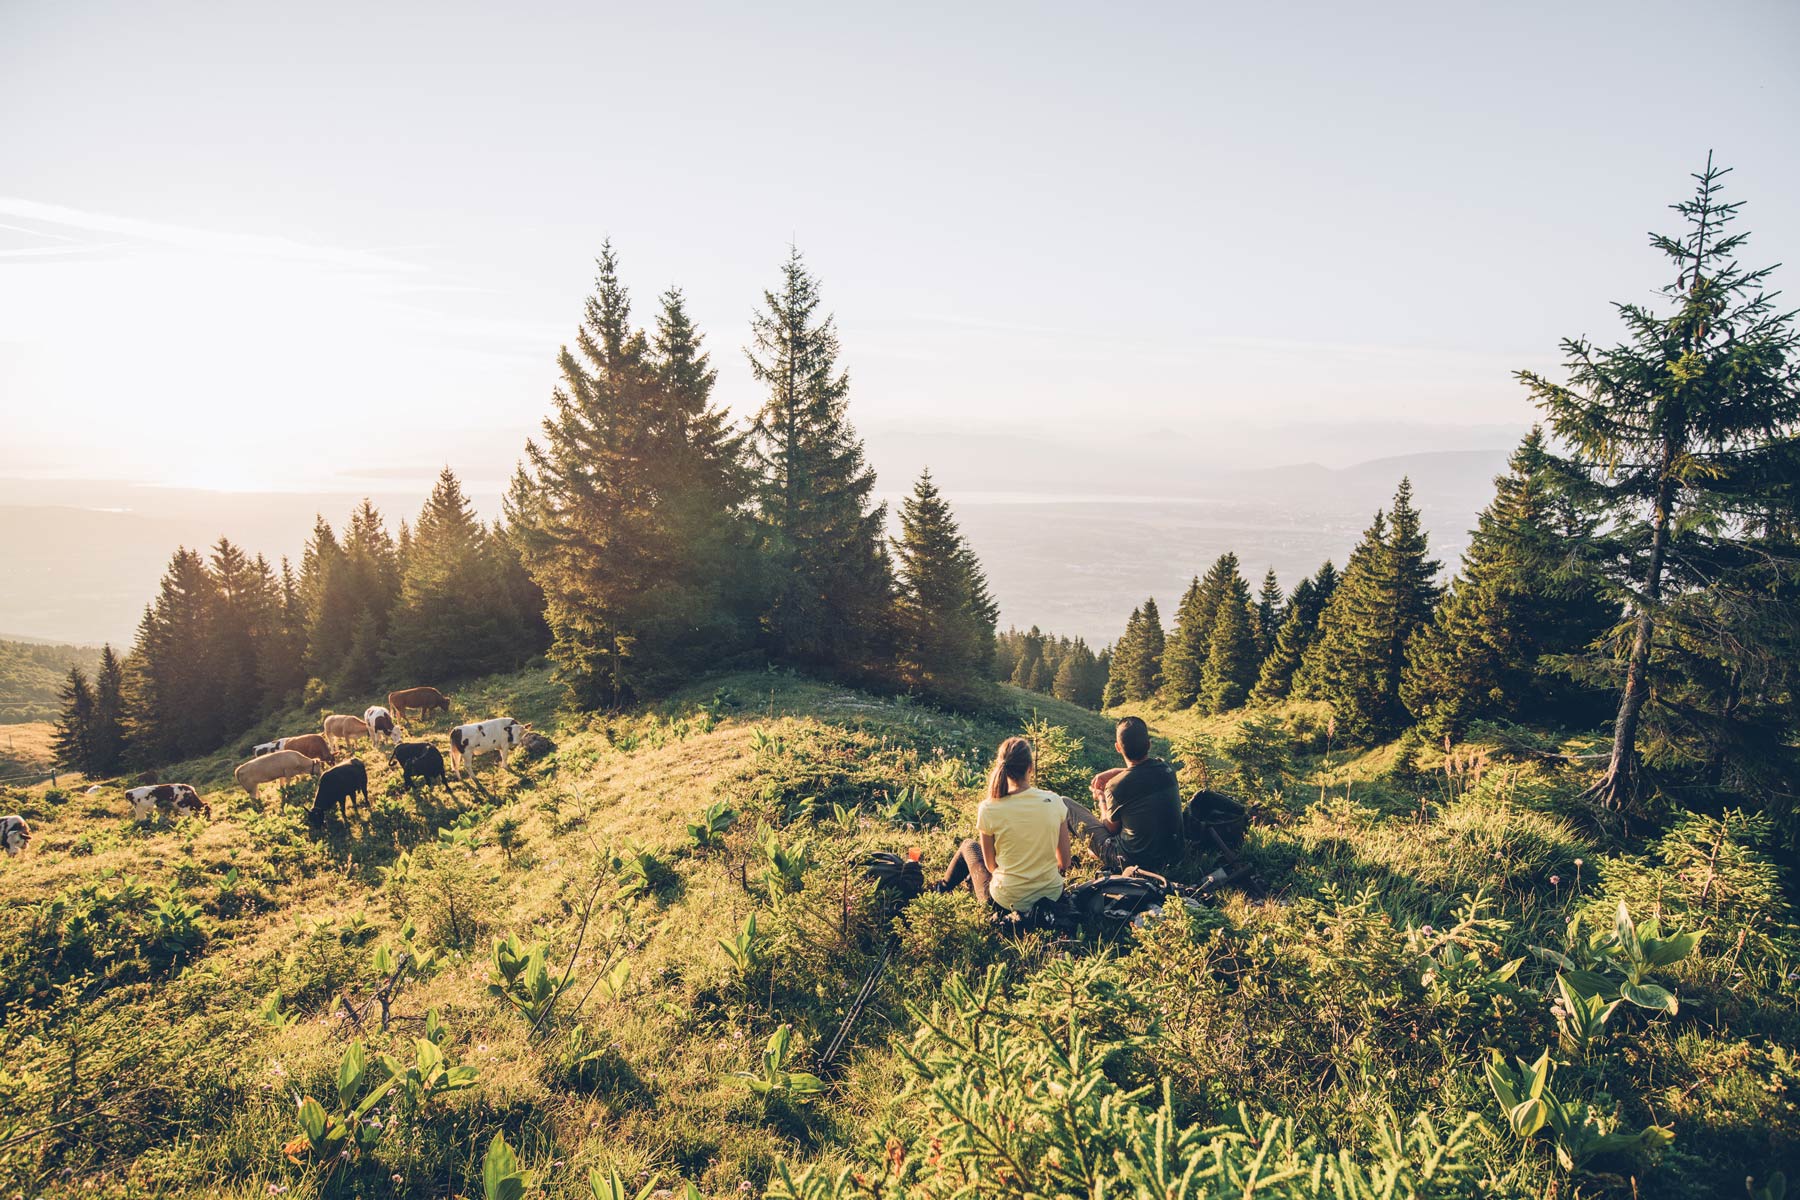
point(421, 759)
point(337, 786)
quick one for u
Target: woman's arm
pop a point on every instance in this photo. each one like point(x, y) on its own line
point(987, 852)
point(1063, 855)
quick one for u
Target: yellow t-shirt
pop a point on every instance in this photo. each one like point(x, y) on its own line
point(1025, 827)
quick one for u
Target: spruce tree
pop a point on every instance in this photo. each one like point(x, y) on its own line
point(171, 697)
point(1528, 594)
point(1184, 662)
point(108, 739)
point(830, 581)
point(1676, 437)
point(1142, 673)
point(630, 518)
point(1123, 660)
point(73, 739)
point(453, 616)
point(944, 615)
point(1387, 592)
point(1231, 659)
point(1184, 656)
point(1299, 629)
point(1269, 613)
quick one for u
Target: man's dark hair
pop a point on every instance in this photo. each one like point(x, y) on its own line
point(1134, 738)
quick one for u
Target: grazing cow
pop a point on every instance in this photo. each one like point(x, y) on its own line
point(341, 727)
point(421, 759)
point(172, 799)
point(15, 834)
point(381, 725)
point(274, 767)
point(425, 699)
point(262, 748)
point(498, 735)
point(310, 744)
point(337, 786)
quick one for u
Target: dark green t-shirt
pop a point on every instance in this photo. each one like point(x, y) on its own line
point(1146, 802)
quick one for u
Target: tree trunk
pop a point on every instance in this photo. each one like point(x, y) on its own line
point(1619, 787)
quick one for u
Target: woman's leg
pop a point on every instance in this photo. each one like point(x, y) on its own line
point(958, 870)
point(980, 878)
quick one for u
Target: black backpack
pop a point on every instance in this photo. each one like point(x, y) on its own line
point(1211, 815)
point(901, 878)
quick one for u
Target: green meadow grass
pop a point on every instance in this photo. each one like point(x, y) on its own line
point(171, 992)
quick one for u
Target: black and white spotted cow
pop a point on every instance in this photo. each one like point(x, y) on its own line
point(497, 736)
point(15, 834)
point(381, 725)
point(171, 799)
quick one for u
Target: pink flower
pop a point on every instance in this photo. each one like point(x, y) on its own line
point(1555, 880)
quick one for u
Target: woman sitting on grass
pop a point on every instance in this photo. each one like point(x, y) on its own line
point(1021, 843)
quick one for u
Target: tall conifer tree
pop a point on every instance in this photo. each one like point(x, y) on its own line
point(1268, 614)
point(830, 581)
point(1231, 659)
point(944, 614)
point(1528, 592)
point(73, 739)
point(1299, 629)
point(630, 518)
point(109, 714)
point(1677, 436)
point(1387, 592)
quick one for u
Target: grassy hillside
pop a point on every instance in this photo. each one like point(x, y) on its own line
point(32, 673)
point(170, 993)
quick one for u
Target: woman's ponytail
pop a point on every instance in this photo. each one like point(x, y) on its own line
point(1012, 766)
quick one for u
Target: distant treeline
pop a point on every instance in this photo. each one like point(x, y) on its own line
point(32, 674)
point(230, 639)
point(1056, 666)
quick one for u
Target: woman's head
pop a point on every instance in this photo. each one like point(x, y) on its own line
point(1012, 768)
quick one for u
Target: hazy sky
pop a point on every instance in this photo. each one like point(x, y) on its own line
point(318, 245)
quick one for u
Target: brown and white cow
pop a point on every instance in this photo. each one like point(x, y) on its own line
point(312, 745)
point(381, 726)
point(497, 736)
point(170, 799)
point(342, 727)
point(274, 767)
point(425, 699)
point(15, 834)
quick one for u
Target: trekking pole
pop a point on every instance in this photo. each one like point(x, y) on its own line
point(856, 1006)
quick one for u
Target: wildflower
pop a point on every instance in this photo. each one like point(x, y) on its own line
point(1555, 880)
point(1427, 930)
point(744, 1185)
point(397, 1178)
point(1578, 862)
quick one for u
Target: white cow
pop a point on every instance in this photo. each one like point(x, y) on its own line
point(381, 725)
point(15, 834)
point(498, 735)
point(262, 748)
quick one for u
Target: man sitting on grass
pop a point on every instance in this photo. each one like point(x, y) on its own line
point(1139, 820)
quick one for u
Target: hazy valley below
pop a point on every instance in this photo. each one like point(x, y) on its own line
point(1065, 549)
